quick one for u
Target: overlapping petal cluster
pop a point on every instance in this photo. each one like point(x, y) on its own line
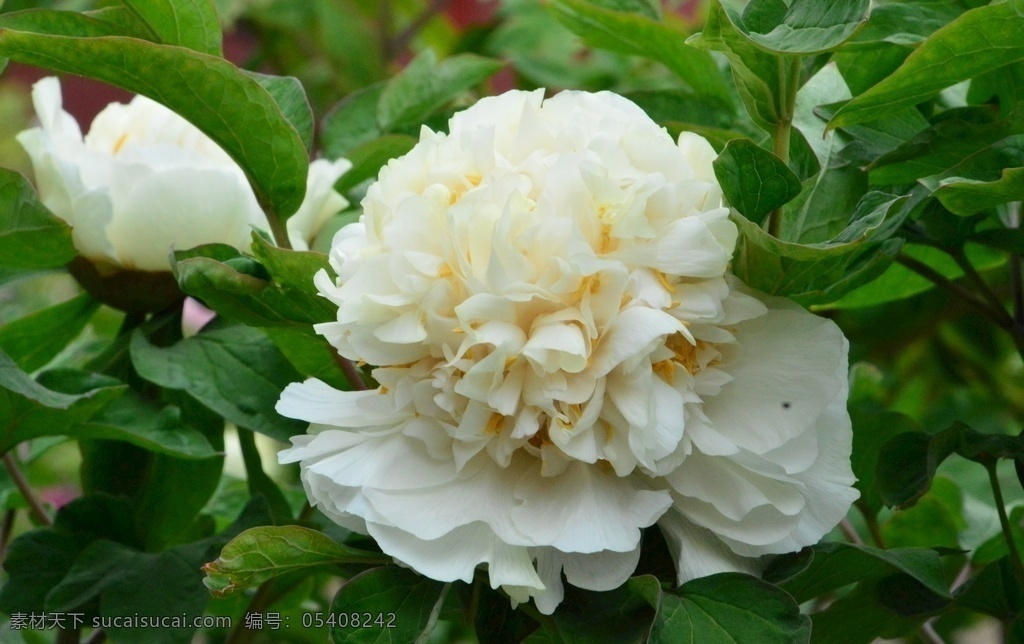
point(564, 359)
point(144, 180)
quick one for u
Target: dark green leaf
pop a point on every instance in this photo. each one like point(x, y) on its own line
point(798, 27)
point(631, 33)
point(907, 22)
point(188, 23)
point(823, 272)
point(625, 614)
point(30, 235)
point(993, 591)
point(311, 355)
point(259, 554)
point(836, 565)
point(496, 622)
point(907, 463)
point(936, 520)
point(754, 180)
point(36, 562)
point(762, 79)
point(414, 601)
point(968, 197)
point(368, 158)
point(871, 432)
point(140, 423)
point(259, 483)
point(352, 122)
point(978, 41)
point(290, 97)
point(69, 23)
point(972, 147)
point(234, 370)
point(859, 617)
point(899, 282)
point(231, 108)
point(28, 409)
point(241, 287)
point(425, 85)
point(727, 608)
point(34, 340)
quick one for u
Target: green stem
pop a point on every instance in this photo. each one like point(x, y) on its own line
point(261, 600)
point(850, 533)
point(1004, 521)
point(999, 317)
point(404, 37)
point(1017, 272)
point(982, 287)
point(277, 228)
point(5, 532)
point(35, 506)
point(352, 373)
point(872, 522)
point(789, 83)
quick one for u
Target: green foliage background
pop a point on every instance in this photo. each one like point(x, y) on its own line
point(874, 158)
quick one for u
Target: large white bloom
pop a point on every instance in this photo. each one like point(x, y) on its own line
point(144, 180)
point(564, 360)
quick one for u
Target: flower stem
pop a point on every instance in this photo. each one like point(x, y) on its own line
point(35, 506)
point(1004, 521)
point(789, 84)
point(5, 532)
point(998, 316)
point(404, 37)
point(872, 522)
point(850, 533)
point(1017, 272)
point(352, 373)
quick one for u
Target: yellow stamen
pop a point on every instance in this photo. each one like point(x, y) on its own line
point(666, 369)
point(494, 423)
point(445, 271)
point(540, 438)
point(121, 140)
point(665, 282)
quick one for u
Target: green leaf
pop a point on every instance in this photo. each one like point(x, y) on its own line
point(978, 41)
point(907, 22)
point(234, 370)
point(351, 123)
point(995, 590)
point(826, 86)
point(871, 432)
point(797, 27)
point(822, 272)
point(368, 158)
point(762, 79)
point(966, 197)
point(425, 85)
point(257, 480)
point(34, 340)
point(227, 105)
point(290, 96)
point(935, 520)
point(496, 621)
point(963, 144)
point(1010, 240)
point(259, 554)
point(106, 22)
point(311, 355)
point(861, 616)
point(30, 235)
point(187, 23)
point(632, 33)
point(278, 294)
point(410, 602)
point(835, 565)
point(159, 430)
point(28, 409)
point(625, 614)
point(907, 462)
point(292, 272)
point(727, 608)
point(36, 562)
point(754, 180)
point(899, 282)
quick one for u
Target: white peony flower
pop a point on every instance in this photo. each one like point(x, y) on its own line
point(144, 180)
point(565, 360)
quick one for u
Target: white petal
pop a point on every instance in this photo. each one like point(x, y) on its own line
point(698, 552)
point(585, 509)
point(787, 366)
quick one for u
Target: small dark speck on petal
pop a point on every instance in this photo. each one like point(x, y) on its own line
point(786, 405)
